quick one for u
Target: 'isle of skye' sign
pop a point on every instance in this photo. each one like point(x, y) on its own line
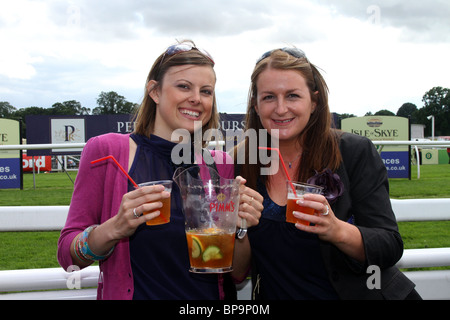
point(385, 128)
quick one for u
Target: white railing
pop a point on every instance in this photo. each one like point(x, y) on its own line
point(33, 218)
point(221, 144)
point(433, 284)
point(49, 284)
point(436, 143)
point(421, 209)
point(47, 218)
point(42, 146)
point(430, 284)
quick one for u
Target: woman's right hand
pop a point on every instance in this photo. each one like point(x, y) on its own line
point(125, 222)
point(132, 207)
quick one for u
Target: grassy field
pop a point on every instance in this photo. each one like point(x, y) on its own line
point(434, 182)
point(48, 189)
point(25, 250)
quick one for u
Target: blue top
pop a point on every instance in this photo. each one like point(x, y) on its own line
point(288, 261)
point(159, 254)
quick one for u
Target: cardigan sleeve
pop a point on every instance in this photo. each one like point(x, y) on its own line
point(86, 204)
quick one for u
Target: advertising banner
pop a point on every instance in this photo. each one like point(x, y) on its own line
point(232, 127)
point(10, 160)
point(67, 131)
point(44, 129)
point(430, 156)
point(385, 128)
point(41, 163)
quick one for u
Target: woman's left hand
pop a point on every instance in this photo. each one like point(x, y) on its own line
point(345, 236)
point(250, 204)
point(325, 223)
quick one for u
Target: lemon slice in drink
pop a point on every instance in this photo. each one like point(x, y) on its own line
point(212, 253)
point(196, 247)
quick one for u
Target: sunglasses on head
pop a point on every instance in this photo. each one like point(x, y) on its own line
point(296, 53)
point(184, 47)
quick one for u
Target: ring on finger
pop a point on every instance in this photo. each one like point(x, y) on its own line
point(328, 211)
point(251, 201)
point(135, 213)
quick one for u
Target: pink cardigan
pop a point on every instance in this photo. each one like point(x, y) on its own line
point(97, 195)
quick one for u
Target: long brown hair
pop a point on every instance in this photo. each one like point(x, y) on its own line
point(146, 114)
point(319, 141)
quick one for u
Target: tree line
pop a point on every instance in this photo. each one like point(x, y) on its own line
point(436, 102)
point(107, 103)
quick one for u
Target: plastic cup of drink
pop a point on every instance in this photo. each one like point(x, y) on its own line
point(292, 198)
point(164, 216)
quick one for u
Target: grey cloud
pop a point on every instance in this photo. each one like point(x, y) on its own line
point(420, 21)
point(121, 19)
point(206, 18)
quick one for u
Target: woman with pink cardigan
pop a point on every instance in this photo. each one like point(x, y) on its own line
point(105, 221)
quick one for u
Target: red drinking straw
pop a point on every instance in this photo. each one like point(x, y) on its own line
point(123, 170)
point(120, 167)
point(284, 166)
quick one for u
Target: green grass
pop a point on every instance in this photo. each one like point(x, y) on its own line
point(25, 250)
point(28, 250)
point(425, 234)
point(434, 182)
point(46, 189)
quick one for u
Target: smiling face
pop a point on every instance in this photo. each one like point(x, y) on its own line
point(185, 95)
point(283, 102)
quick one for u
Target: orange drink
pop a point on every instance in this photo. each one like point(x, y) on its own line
point(300, 189)
point(210, 209)
point(210, 250)
point(293, 206)
point(164, 216)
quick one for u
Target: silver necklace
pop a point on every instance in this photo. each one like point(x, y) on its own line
point(290, 162)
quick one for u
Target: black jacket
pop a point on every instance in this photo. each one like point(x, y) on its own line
point(366, 199)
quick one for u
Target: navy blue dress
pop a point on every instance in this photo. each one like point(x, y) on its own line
point(288, 261)
point(159, 254)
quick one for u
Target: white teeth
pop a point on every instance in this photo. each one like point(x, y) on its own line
point(283, 121)
point(190, 113)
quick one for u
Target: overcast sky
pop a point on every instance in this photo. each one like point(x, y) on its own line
point(374, 54)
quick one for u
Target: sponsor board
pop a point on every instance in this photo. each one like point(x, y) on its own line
point(385, 128)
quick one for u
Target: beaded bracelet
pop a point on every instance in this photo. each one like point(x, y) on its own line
point(82, 250)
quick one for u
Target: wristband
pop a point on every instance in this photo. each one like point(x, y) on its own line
point(82, 250)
